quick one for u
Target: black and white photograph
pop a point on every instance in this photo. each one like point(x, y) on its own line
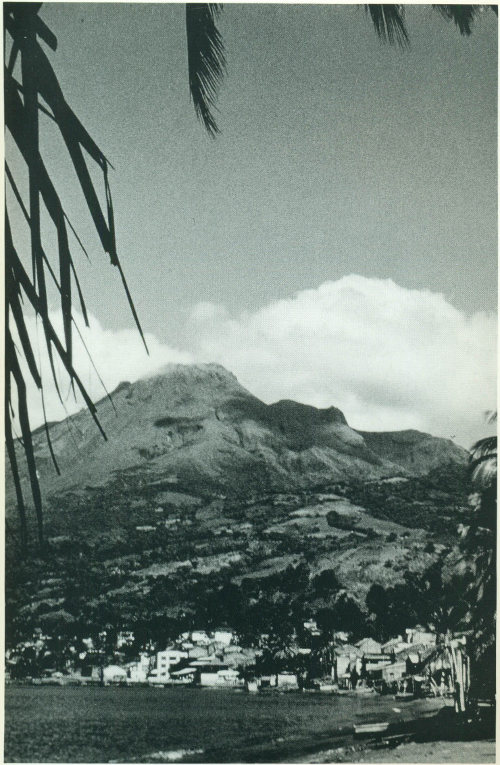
point(250, 345)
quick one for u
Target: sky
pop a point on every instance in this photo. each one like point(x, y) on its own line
point(335, 244)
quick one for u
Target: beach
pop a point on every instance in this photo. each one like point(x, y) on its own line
point(433, 751)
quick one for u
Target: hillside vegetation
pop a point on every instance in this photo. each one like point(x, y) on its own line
point(207, 506)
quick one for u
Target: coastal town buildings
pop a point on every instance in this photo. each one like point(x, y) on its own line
point(215, 659)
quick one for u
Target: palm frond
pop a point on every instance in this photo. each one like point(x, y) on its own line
point(389, 24)
point(22, 107)
point(462, 15)
point(206, 60)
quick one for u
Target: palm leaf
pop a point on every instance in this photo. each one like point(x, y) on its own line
point(389, 24)
point(462, 15)
point(206, 60)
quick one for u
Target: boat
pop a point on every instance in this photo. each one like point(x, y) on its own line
point(328, 687)
point(363, 689)
point(370, 728)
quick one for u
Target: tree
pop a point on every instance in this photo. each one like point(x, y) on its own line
point(31, 89)
point(479, 550)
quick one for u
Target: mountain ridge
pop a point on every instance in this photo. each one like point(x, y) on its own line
point(198, 423)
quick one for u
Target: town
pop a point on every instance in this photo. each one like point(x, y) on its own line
point(414, 665)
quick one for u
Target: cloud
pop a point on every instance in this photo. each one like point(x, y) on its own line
point(118, 355)
point(391, 358)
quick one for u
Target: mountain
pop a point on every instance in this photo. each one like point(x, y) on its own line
point(204, 503)
point(416, 452)
point(197, 426)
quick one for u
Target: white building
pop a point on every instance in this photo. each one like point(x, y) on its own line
point(138, 671)
point(212, 677)
point(114, 674)
point(223, 636)
point(200, 637)
point(287, 680)
point(165, 660)
point(420, 636)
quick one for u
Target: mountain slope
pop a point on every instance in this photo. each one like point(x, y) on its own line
point(198, 426)
point(204, 499)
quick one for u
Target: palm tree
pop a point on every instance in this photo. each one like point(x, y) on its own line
point(32, 89)
point(479, 548)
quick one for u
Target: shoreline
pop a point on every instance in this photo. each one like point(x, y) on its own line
point(442, 738)
point(480, 751)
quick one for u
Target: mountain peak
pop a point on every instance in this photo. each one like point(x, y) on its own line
point(196, 421)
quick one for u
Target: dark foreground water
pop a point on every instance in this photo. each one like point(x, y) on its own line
point(87, 724)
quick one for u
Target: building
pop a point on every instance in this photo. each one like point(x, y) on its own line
point(287, 680)
point(417, 635)
point(391, 673)
point(165, 660)
point(200, 637)
point(138, 671)
point(218, 676)
point(114, 674)
point(372, 663)
point(368, 645)
point(185, 676)
point(223, 635)
point(124, 638)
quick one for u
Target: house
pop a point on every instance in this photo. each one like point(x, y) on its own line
point(198, 652)
point(418, 635)
point(124, 638)
point(267, 681)
point(138, 671)
point(114, 674)
point(312, 627)
point(391, 673)
point(185, 676)
point(341, 665)
point(200, 637)
point(218, 676)
point(393, 645)
point(368, 645)
point(372, 663)
point(287, 680)
point(223, 635)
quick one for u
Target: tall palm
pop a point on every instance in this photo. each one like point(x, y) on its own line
point(31, 88)
point(479, 545)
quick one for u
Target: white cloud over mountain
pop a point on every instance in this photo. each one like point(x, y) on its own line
point(116, 355)
point(391, 358)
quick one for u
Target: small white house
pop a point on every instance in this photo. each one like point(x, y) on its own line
point(200, 637)
point(114, 674)
point(420, 636)
point(212, 677)
point(138, 671)
point(223, 635)
point(287, 680)
point(369, 645)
